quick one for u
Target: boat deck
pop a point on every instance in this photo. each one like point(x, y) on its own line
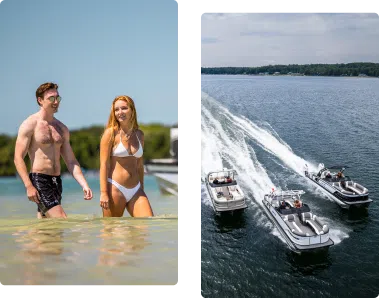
point(227, 193)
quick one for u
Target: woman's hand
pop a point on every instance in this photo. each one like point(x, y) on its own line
point(104, 201)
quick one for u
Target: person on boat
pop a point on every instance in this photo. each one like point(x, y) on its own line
point(215, 181)
point(283, 205)
point(340, 175)
point(121, 163)
point(297, 203)
point(229, 180)
point(328, 175)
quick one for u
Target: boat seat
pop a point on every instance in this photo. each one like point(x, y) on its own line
point(305, 216)
point(353, 189)
point(324, 227)
point(359, 189)
point(226, 192)
point(341, 189)
point(312, 221)
point(291, 223)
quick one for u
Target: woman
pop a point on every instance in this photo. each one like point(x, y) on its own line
point(121, 163)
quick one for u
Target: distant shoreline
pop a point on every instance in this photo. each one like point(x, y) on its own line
point(285, 75)
point(356, 69)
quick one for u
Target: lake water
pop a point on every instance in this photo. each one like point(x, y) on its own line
point(86, 249)
point(267, 128)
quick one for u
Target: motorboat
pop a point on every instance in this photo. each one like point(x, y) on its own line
point(165, 170)
point(225, 193)
point(341, 188)
point(301, 229)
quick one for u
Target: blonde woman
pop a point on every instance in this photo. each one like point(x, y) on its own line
point(121, 163)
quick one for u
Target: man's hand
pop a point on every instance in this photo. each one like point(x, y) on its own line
point(32, 194)
point(87, 193)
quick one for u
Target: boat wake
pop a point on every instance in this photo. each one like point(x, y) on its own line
point(226, 142)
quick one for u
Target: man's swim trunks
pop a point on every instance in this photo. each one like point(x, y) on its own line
point(49, 189)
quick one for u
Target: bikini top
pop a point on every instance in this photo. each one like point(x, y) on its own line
point(121, 151)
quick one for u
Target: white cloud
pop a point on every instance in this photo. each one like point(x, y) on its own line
point(261, 39)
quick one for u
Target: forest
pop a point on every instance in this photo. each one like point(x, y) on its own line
point(85, 143)
point(348, 69)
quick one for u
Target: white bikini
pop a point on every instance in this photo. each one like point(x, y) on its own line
point(121, 151)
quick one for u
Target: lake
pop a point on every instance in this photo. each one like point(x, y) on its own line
point(267, 128)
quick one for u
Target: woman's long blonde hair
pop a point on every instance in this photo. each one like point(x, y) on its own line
point(113, 122)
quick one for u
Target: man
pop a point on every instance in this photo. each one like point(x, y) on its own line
point(282, 205)
point(45, 139)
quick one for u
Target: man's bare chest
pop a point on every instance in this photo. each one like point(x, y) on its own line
point(48, 134)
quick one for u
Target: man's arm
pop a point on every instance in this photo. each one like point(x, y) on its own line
point(141, 170)
point(23, 140)
point(73, 165)
point(24, 137)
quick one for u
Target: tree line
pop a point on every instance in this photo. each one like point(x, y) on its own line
point(85, 143)
point(349, 69)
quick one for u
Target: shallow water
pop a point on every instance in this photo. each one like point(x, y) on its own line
point(86, 248)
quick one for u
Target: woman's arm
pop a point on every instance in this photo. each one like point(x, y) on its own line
point(140, 165)
point(105, 148)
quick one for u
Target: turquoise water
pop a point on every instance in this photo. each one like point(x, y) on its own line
point(86, 248)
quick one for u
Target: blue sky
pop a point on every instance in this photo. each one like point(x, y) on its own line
point(94, 50)
point(257, 39)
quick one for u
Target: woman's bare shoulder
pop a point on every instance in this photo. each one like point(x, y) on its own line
point(107, 133)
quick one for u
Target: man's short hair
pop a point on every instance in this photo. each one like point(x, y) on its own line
point(43, 88)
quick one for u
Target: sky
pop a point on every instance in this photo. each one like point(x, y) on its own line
point(94, 50)
point(258, 39)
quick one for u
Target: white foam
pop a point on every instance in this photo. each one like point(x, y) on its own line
point(225, 137)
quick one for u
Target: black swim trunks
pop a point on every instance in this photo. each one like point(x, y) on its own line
point(49, 189)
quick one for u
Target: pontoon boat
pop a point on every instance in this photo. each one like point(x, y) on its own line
point(225, 193)
point(344, 191)
point(302, 230)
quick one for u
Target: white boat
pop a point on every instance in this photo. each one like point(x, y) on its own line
point(342, 189)
point(225, 193)
point(301, 229)
point(165, 170)
point(168, 183)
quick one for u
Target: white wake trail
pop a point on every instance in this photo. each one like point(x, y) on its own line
point(225, 139)
point(222, 145)
point(270, 143)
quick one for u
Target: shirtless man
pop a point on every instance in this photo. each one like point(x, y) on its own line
point(45, 139)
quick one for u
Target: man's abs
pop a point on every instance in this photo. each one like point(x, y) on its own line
point(46, 162)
